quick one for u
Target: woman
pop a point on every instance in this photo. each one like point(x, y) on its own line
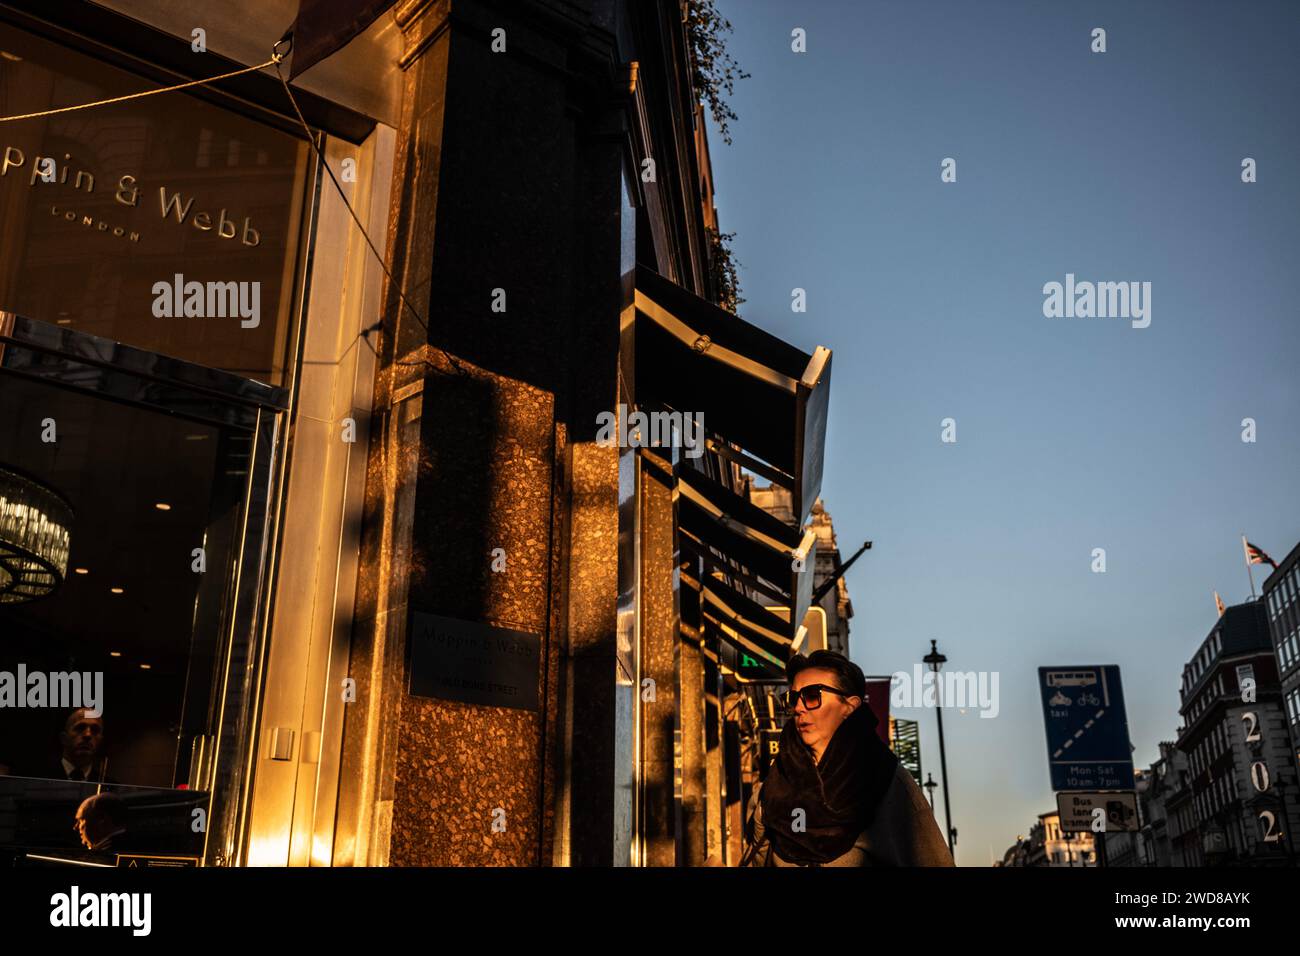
point(835, 795)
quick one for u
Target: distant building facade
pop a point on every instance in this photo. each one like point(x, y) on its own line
point(1016, 855)
point(1242, 802)
point(1166, 780)
point(1049, 845)
point(1281, 596)
point(1129, 847)
point(836, 604)
point(905, 740)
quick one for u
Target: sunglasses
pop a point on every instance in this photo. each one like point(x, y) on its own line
point(811, 695)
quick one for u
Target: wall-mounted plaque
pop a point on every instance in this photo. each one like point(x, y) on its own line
point(473, 663)
point(137, 861)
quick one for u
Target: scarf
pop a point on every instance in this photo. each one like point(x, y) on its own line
point(840, 795)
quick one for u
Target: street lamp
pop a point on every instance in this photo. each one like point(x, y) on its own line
point(936, 661)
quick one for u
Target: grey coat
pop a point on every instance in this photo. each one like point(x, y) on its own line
point(903, 832)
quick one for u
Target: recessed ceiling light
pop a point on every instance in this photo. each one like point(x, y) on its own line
point(65, 321)
point(163, 506)
point(145, 667)
point(82, 570)
point(114, 653)
point(116, 590)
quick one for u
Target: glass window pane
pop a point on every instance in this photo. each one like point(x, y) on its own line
point(139, 193)
point(147, 491)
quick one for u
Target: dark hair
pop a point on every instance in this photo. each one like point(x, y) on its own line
point(107, 805)
point(849, 675)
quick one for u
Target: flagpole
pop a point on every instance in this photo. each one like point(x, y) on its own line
point(1250, 574)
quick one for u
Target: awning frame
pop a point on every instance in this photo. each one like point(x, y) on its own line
point(764, 400)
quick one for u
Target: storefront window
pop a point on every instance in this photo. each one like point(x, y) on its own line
point(150, 256)
point(146, 491)
point(101, 211)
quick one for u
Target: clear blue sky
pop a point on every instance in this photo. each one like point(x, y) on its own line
point(1072, 434)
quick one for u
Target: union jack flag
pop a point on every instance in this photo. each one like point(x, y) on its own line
point(1256, 555)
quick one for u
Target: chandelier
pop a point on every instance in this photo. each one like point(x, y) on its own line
point(34, 538)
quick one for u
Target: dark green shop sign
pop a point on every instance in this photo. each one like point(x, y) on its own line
point(751, 666)
point(473, 663)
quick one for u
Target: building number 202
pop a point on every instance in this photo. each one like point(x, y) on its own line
point(1259, 779)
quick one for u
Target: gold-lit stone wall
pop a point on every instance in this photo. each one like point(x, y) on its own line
point(695, 802)
point(485, 482)
point(662, 742)
point(482, 441)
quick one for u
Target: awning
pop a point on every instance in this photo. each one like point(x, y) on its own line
point(744, 542)
point(757, 393)
point(747, 626)
point(324, 27)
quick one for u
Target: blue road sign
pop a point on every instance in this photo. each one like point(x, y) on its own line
point(1087, 728)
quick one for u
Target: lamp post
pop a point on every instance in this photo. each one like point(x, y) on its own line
point(936, 661)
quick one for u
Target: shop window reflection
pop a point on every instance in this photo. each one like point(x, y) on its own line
point(137, 621)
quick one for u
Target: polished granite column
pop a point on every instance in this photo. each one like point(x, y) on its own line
point(714, 778)
point(483, 482)
point(662, 745)
point(694, 832)
point(733, 808)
